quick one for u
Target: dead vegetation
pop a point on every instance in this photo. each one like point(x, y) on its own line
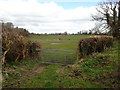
point(96, 44)
point(16, 47)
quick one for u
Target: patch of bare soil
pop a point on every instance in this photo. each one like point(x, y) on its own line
point(60, 70)
point(39, 70)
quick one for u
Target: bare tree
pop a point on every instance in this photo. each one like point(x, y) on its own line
point(96, 29)
point(108, 13)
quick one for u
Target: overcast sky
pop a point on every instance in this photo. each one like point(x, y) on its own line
point(49, 16)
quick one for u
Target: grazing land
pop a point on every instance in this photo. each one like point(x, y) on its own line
point(96, 71)
point(61, 42)
point(63, 48)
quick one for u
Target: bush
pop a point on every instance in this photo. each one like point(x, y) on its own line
point(15, 47)
point(95, 44)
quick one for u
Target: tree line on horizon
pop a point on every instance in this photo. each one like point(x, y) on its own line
point(25, 32)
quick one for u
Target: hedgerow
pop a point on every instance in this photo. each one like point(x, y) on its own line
point(95, 44)
point(16, 47)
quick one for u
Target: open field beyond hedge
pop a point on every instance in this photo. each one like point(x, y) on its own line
point(97, 71)
point(61, 42)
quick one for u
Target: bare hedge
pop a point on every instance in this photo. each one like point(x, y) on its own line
point(94, 44)
point(16, 47)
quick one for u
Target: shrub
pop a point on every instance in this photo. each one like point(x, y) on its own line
point(15, 47)
point(34, 49)
point(90, 45)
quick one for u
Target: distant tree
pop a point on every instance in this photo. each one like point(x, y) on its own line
point(65, 33)
point(78, 33)
point(72, 34)
point(23, 32)
point(84, 32)
point(108, 13)
point(90, 32)
point(45, 34)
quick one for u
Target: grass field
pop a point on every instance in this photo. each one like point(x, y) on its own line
point(61, 42)
point(97, 71)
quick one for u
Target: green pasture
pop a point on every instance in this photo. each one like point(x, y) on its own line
point(61, 42)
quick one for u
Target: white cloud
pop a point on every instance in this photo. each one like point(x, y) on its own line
point(45, 17)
